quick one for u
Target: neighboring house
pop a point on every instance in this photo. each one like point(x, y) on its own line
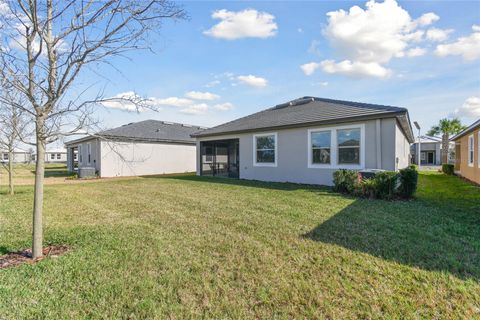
point(467, 151)
point(305, 141)
point(430, 151)
point(19, 156)
point(143, 148)
point(56, 156)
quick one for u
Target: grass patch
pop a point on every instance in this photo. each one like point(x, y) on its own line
point(187, 246)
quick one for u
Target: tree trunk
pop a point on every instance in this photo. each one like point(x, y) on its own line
point(10, 172)
point(37, 236)
point(445, 145)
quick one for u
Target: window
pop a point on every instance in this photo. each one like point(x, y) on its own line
point(89, 151)
point(5, 156)
point(348, 142)
point(422, 156)
point(59, 156)
point(75, 156)
point(80, 157)
point(320, 144)
point(265, 149)
point(470, 150)
point(33, 157)
point(208, 154)
point(52, 156)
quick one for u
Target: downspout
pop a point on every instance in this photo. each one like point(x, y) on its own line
point(378, 143)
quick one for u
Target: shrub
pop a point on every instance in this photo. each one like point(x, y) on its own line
point(367, 188)
point(386, 184)
point(344, 180)
point(408, 181)
point(447, 169)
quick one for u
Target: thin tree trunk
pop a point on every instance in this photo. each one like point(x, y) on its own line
point(37, 236)
point(445, 146)
point(10, 172)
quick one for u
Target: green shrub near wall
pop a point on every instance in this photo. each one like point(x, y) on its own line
point(384, 185)
point(448, 169)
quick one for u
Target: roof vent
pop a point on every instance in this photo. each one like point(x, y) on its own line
point(187, 125)
point(296, 102)
point(166, 122)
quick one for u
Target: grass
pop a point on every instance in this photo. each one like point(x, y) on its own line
point(24, 174)
point(194, 247)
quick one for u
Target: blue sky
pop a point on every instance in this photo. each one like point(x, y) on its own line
point(424, 56)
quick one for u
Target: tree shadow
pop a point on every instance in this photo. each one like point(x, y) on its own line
point(4, 250)
point(409, 232)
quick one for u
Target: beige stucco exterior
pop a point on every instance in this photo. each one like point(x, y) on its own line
point(471, 171)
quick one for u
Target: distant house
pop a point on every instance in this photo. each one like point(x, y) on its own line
point(467, 152)
point(58, 155)
point(142, 148)
point(19, 156)
point(306, 140)
point(430, 151)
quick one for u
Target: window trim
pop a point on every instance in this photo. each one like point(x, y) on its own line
point(334, 148)
point(471, 150)
point(265, 164)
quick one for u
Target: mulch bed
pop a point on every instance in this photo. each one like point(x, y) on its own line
point(13, 259)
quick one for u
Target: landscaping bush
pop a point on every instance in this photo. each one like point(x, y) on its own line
point(447, 169)
point(345, 180)
point(385, 184)
point(408, 182)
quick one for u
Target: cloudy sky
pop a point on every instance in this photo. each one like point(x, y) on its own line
point(231, 59)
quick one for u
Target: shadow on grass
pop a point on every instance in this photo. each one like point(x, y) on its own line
point(56, 172)
point(4, 250)
point(285, 186)
point(435, 233)
point(409, 233)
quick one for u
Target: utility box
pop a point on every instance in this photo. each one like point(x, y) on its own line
point(369, 173)
point(87, 172)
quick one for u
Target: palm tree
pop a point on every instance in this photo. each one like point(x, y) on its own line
point(446, 127)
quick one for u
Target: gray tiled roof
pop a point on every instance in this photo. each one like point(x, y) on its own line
point(310, 110)
point(469, 129)
point(150, 131)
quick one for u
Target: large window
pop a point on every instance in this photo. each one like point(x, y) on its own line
point(348, 142)
point(471, 150)
point(321, 147)
point(52, 156)
point(80, 155)
point(341, 147)
point(5, 156)
point(265, 149)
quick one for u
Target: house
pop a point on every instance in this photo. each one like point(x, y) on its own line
point(19, 156)
point(305, 141)
point(430, 151)
point(58, 155)
point(467, 152)
point(142, 148)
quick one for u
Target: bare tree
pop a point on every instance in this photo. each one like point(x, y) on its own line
point(14, 128)
point(49, 43)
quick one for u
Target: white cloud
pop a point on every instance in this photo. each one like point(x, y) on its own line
point(314, 47)
point(248, 23)
point(470, 108)
point(224, 106)
point(426, 19)
point(196, 109)
point(416, 52)
point(300, 30)
point(197, 95)
point(173, 102)
point(468, 47)
point(323, 84)
point(126, 101)
point(253, 81)
point(212, 84)
point(438, 35)
point(309, 68)
point(367, 39)
point(356, 68)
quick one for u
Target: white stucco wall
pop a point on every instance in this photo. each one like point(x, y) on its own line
point(292, 157)
point(134, 159)
point(402, 149)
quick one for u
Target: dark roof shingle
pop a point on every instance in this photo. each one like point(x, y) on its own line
point(150, 131)
point(309, 110)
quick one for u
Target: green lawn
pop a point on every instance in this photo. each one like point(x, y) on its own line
point(189, 247)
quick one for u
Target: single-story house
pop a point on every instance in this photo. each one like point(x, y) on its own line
point(467, 152)
point(58, 155)
point(143, 148)
point(430, 151)
point(306, 140)
point(19, 156)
